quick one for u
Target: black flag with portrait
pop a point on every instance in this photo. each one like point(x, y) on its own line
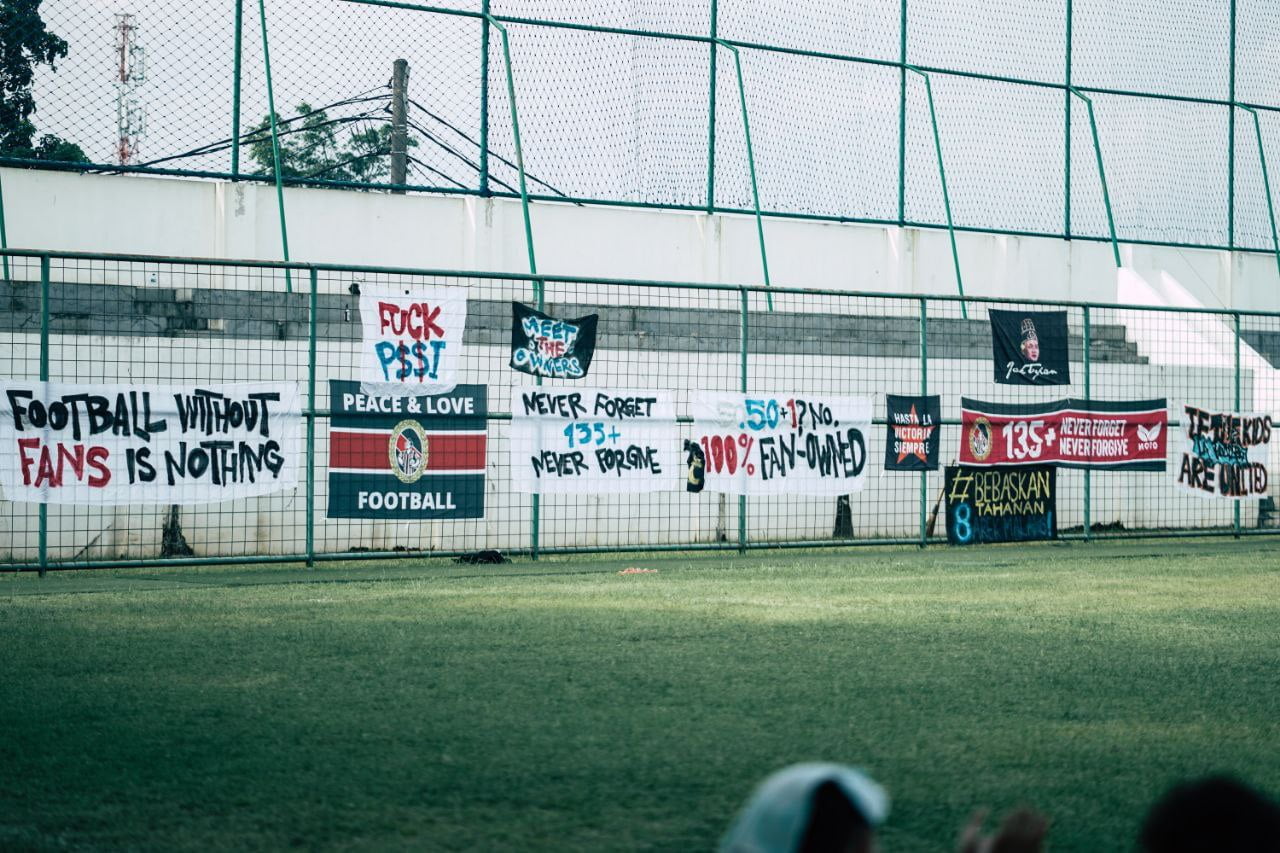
point(1030, 347)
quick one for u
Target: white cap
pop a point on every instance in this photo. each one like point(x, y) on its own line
point(777, 815)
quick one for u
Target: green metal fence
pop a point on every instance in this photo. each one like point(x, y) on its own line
point(94, 318)
point(830, 110)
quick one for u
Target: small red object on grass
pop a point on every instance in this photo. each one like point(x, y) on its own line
point(635, 571)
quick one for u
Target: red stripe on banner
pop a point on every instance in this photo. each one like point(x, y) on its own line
point(369, 451)
point(1069, 436)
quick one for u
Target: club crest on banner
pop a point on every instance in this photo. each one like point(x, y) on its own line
point(408, 450)
point(980, 439)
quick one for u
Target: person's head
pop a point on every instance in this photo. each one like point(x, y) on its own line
point(1212, 815)
point(810, 808)
point(1030, 341)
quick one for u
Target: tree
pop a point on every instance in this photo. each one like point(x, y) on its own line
point(309, 148)
point(25, 43)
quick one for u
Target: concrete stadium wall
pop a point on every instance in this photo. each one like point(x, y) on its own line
point(145, 215)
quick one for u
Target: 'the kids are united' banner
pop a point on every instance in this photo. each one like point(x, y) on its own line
point(1001, 504)
point(541, 345)
point(146, 444)
point(1116, 435)
point(412, 340)
point(1030, 347)
point(407, 457)
point(1224, 454)
point(912, 441)
point(774, 444)
point(572, 440)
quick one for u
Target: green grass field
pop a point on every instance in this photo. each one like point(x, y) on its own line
point(561, 706)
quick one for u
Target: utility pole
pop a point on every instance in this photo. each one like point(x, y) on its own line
point(399, 133)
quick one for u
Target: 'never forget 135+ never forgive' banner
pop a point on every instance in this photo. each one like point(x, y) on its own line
point(1129, 435)
point(146, 444)
point(571, 440)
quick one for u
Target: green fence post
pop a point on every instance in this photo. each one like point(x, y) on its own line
point(1102, 174)
point(4, 233)
point(536, 510)
point(902, 114)
point(484, 99)
point(235, 96)
point(44, 377)
point(1231, 137)
point(311, 423)
point(924, 390)
point(515, 133)
point(275, 147)
point(1088, 498)
point(751, 166)
point(1266, 182)
point(1236, 318)
point(946, 196)
point(1066, 161)
point(711, 113)
point(743, 342)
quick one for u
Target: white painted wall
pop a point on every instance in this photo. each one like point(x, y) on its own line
point(161, 216)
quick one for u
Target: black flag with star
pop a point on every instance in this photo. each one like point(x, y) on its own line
point(912, 441)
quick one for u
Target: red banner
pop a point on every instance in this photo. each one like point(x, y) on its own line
point(1119, 435)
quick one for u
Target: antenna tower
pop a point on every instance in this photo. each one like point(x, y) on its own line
point(130, 73)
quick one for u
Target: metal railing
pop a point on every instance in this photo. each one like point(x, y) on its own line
point(135, 320)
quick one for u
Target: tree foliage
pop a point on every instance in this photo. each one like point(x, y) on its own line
point(309, 148)
point(26, 43)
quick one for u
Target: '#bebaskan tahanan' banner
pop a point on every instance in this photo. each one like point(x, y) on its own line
point(146, 444)
point(774, 444)
point(572, 440)
point(411, 340)
point(1001, 504)
point(1224, 454)
point(407, 457)
point(1127, 435)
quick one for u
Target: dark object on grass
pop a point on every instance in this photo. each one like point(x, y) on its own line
point(1023, 831)
point(844, 519)
point(485, 557)
point(810, 808)
point(1217, 814)
point(172, 542)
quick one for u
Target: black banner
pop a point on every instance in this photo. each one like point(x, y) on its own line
point(1030, 347)
point(541, 345)
point(407, 457)
point(912, 441)
point(1001, 504)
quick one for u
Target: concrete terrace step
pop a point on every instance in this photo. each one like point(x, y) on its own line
point(123, 310)
point(1266, 343)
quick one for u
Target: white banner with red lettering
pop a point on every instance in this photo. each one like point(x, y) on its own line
point(782, 444)
point(412, 340)
point(147, 444)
